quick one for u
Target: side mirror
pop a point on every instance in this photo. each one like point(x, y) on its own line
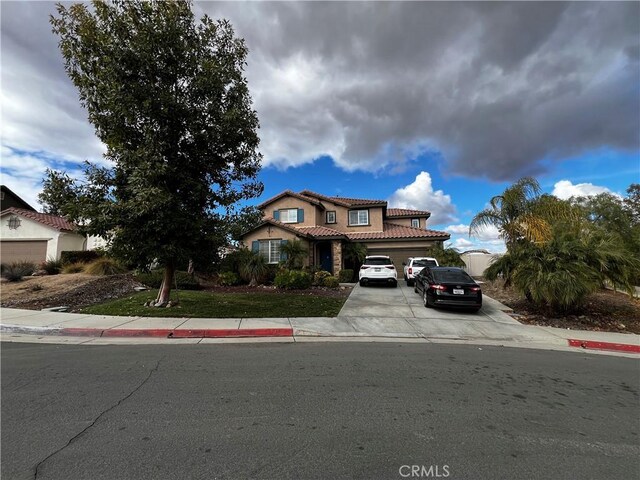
point(404, 264)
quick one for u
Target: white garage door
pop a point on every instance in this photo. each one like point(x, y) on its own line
point(14, 251)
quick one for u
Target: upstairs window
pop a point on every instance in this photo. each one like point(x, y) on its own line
point(331, 217)
point(415, 222)
point(289, 215)
point(358, 217)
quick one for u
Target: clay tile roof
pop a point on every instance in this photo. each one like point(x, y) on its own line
point(284, 226)
point(320, 231)
point(291, 194)
point(344, 201)
point(404, 212)
point(53, 221)
point(393, 231)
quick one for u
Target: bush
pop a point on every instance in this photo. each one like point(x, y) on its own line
point(104, 266)
point(16, 270)
point(77, 267)
point(345, 276)
point(79, 256)
point(228, 279)
point(232, 261)
point(318, 277)
point(331, 282)
point(153, 279)
point(52, 266)
point(293, 279)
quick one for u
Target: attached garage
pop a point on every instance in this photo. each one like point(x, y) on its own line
point(18, 250)
point(399, 254)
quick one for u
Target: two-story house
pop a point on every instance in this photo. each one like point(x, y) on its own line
point(326, 224)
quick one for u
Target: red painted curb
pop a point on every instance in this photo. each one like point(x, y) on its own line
point(593, 345)
point(170, 333)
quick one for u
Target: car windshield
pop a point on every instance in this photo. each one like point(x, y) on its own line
point(424, 263)
point(451, 276)
point(378, 261)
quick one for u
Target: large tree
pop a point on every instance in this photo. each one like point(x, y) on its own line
point(168, 97)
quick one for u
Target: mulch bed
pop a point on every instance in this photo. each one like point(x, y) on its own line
point(604, 311)
point(340, 292)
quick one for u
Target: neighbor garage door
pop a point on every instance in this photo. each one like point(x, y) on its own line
point(398, 255)
point(31, 251)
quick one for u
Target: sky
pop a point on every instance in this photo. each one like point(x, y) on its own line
point(434, 106)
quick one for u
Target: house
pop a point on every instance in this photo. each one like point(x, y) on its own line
point(9, 199)
point(327, 224)
point(35, 237)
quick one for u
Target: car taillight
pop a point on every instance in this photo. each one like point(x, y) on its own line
point(475, 289)
point(390, 267)
point(410, 270)
point(438, 287)
point(364, 267)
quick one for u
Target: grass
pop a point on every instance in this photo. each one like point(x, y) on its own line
point(200, 304)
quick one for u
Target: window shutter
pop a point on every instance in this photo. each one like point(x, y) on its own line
point(255, 246)
point(276, 215)
point(283, 256)
point(300, 215)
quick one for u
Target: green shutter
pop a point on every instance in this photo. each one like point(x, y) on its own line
point(300, 215)
point(276, 215)
point(283, 256)
point(255, 246)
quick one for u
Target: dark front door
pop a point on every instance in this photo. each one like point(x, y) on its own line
point(324, 252)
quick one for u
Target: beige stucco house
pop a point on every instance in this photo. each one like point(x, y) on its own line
point(326, 224)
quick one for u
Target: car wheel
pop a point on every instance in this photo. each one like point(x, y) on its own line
point(425, 299)
point(394, 284)
point(410, 282)
point(361, 283)
point(415, 288)
point(475, 310)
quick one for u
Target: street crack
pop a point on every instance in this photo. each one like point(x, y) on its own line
point(84, 430)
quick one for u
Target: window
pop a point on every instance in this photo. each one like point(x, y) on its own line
point(270, 250)
point(14, 222)
point(359, 217)
point(289, 215)
point(415, 222)
point(331, 217)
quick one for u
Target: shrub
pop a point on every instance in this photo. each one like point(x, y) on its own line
point(79, 256)
point(331, 282)
point(153, 279)
point(318, 277)
point(228, 279)
point(104, 266)
point(232, 261)
point(253, 268)
point(52, 266)
point(293, 279)
point(16, 270)
point(345, 276)
point(77, 267)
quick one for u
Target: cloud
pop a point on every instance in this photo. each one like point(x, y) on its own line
point(564, 189)
point(420, 195)
point(488, 239)
point(500, 89)
point(460, 229)
point(462, 243)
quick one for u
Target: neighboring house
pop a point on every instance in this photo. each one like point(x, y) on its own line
point(9, 199)
point(326, 224)
point(35, 237)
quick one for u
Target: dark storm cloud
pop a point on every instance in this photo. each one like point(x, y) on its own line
point(495, 86)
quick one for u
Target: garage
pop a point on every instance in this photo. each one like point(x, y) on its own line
point(18, 250)
point(399, 255)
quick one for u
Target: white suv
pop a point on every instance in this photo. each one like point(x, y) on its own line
point(414, 265)
point(378, 268)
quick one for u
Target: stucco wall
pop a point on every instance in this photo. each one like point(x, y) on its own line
point(69, 241)
point(292, 202)
point(342, 219)
point(477, 263)
point(268, 232)
point(407, 222)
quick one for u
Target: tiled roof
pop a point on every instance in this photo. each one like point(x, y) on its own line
point(320, 231)
point(53, 221)
point(284, 226)
point(290, 194)
point(344, 201)
point(393, 231)
point(404, 212)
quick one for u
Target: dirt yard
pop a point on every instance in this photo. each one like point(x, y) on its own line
point(77, 290)
point(605, 311)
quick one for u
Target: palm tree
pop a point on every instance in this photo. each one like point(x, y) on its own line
point(253, 267)
point(446, 256)
point(354, 253)
point(295, 252)
point(512, 213)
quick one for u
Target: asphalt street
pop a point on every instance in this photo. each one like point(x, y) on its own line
point(316, 410)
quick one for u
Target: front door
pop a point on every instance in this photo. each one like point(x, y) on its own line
point(324, 252)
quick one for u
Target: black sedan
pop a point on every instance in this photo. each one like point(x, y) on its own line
point(448, 286)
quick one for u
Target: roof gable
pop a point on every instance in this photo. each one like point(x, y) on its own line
point(52, 221)
point(345, 201)
point(289, 193)
point(405, 212)
point(15, 199)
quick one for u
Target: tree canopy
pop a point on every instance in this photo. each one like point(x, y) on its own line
point(168, 97)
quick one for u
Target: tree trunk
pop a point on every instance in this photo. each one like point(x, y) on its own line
point(164, 294)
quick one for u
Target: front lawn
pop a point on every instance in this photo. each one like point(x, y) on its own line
point(206, 304)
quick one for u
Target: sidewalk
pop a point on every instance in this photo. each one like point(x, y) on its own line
point(497, 329)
